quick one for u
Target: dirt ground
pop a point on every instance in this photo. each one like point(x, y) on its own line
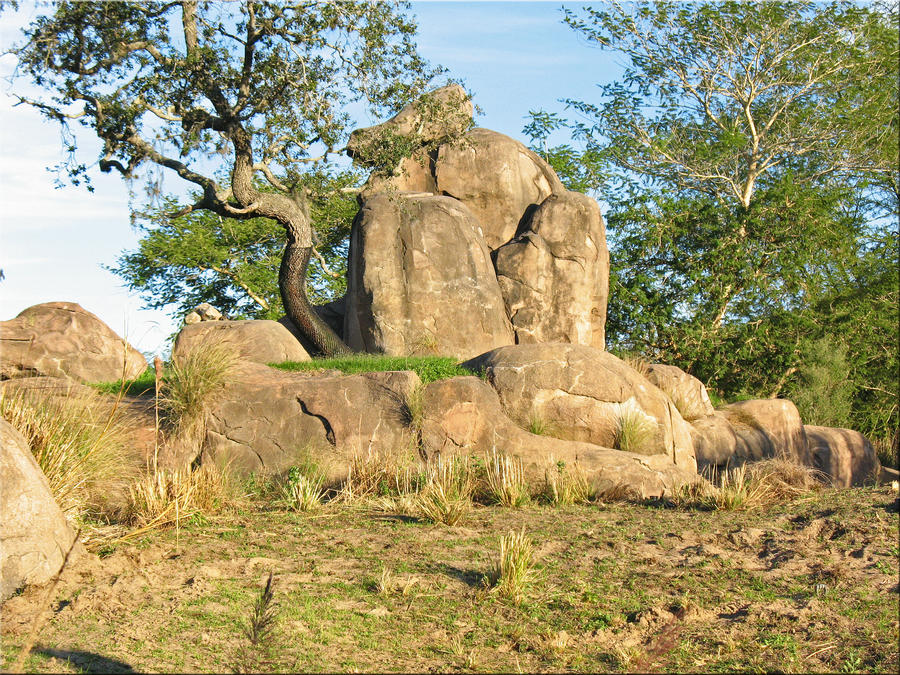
point(810, 586)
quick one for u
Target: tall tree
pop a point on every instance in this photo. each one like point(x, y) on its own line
point(749, 157)
point(226, 95)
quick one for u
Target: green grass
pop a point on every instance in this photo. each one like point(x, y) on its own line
point(145, 383)
point(428, 368)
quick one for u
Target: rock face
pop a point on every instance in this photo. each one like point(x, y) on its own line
point(259, 340)
point(555, 274)
point(463, 416)
point(686, 391)
point(34, 534)
point(583, 394)
point(268, 418)
point(420, 280)
point(845, 455)
point(61, 339)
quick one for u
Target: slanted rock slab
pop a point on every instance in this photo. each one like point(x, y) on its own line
point(62, 339)
point(687, 392)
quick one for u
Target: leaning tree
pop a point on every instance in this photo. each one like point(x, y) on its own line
point(238, 99)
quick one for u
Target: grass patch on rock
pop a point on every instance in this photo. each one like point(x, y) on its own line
point(428, 368)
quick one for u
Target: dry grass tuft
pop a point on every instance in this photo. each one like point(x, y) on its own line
point(514, 570)
point(301, 490)
point(565, 485)
point(505, 480)
point(80, 443)
point(375, 474)
point(447, 494)
point(634, 430)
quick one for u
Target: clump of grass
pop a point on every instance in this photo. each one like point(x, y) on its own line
point(79, 442)
point(633, 429)
point(738, 489)
point(505, 480)
point(637, 363)
point(143, 384)
point(564, 485)
point(302, 491)
point(413, 408)
point(447, 494)
point(538, 426)
point(786, 479)
point(166, 497)
point(375, 474)
point(428, 368)
point(192, 384)
point(514, 570)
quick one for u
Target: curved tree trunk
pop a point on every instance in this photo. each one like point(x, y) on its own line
point(292, 285)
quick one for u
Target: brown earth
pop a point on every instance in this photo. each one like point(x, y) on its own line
point(805, 587)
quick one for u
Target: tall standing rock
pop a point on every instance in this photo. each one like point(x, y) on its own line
point(554, 275)
point(421, 280)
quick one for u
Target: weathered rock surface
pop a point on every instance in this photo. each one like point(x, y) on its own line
point(203, 312)
point(580, 392)
point(258, 340)
point(420, 280)
point(34, 534)
point(463, 416)
point(62, 339)
point(267, 418)
point(554, 275)
point(686, 391)
point(843, 454)
point(442, 113)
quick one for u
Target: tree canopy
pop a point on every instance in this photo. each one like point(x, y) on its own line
point(228, 96)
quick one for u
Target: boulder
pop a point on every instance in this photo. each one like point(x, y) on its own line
point(34, 534)
point(843, 454)
point(582, 393)
point(554, 275)
point(61, 339)
point(443, 113)
point(686, 391)
point(203, 312)
point(463, 416)
point(266, 419)
point(259, 340)
point(749, 431)
point(420, 280)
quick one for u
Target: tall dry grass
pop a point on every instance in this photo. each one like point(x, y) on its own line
point(513, 572)
point(565, 485)
point(505, 482)
point(446, 495)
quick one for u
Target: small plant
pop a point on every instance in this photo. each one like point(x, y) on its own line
point(191, 386)
point(413, 409)
point(447, 494)
point(259, 630)
point(302, 491)
point(538, 426)
point(505, 478)
point(633, 429)
point(514, 570)
point(376, 475)
point(564, 485)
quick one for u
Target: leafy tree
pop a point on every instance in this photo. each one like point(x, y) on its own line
point(226, 95)
point(233, 264)
point(748, 155)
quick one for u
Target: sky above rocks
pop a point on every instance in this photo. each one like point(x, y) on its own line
point(512, 57)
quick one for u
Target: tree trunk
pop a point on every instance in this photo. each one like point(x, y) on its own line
point(292, 285)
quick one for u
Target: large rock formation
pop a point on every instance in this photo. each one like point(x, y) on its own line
point(686, 391)
point(463, 416)
point(555, 274)
point(258, 340)
point(420, 280)
point(267, 419)
point(34, 534)
point(586, 395)
point(61, 339)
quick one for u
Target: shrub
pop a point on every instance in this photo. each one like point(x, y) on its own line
point(78, 440)
point(514, 570)
point(824, 391)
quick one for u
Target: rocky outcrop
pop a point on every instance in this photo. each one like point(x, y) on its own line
point(267, 419)
point(686, 391)
point(34, 534)
point(420, 280)
point(843, 454)
point(259, 340)
point(555, 274)
point(62, 339)
point(463, 416)
point(587, 395)
point(203, 312)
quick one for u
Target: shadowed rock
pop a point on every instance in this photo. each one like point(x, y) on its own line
point(843, 454)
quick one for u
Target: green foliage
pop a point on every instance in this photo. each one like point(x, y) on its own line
point(428, 368)
point(822, 391)
point(143, 384)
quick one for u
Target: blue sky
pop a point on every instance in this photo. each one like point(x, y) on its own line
point(512, 56)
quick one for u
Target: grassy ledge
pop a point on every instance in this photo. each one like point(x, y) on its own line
point(143, 384)
point(428, 368)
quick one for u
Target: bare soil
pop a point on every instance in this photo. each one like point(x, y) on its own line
point(810, 586)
